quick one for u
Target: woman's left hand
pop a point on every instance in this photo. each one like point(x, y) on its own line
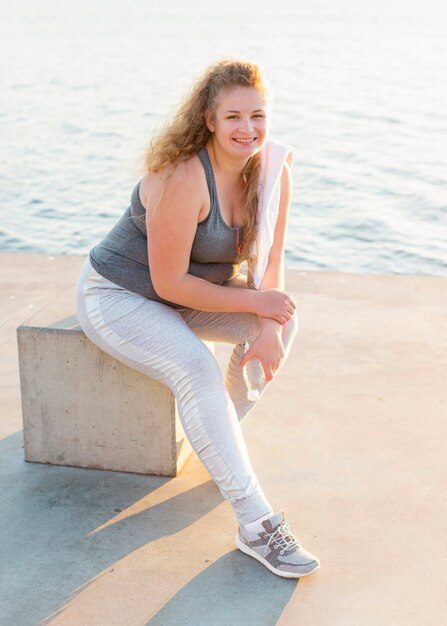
point(268, 348)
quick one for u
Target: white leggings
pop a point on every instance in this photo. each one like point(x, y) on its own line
point(165, 344)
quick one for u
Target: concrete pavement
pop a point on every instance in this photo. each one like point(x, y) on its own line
point(349, 441)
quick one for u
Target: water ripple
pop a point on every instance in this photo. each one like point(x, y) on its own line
point(365, 109)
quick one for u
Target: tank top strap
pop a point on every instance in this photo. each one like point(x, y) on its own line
point(205, 160)
point(137, 212)
point(135, 202)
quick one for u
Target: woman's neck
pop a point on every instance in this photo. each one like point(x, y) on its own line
point(223, 164)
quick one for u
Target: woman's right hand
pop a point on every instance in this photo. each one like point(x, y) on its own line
point(276, 304)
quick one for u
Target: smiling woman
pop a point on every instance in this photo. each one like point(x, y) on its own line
point(236, 133)
point(167, 276)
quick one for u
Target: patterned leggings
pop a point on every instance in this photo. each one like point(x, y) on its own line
point(165, 344)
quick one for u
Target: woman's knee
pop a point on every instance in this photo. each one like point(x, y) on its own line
point(250, 328)
point(290, 328)
point(253, 326)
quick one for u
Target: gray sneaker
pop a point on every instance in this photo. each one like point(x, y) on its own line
point(277, 548)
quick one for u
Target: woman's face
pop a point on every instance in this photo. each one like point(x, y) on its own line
point(241, 122)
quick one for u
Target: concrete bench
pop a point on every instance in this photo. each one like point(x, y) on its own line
point(81, 407)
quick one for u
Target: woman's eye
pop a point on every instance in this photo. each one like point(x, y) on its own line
point(231, 117)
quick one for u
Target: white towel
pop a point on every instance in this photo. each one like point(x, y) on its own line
point(273, 156)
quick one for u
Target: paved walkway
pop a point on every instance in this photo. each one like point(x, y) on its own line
point(349, 441)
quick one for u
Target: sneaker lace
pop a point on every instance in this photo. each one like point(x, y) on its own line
point(282, 538)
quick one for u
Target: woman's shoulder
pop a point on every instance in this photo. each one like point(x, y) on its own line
point(186, 175)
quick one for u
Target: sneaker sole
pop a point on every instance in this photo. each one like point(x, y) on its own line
point(247, 550)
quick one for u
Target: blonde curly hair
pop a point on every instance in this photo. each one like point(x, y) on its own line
point(187, 132)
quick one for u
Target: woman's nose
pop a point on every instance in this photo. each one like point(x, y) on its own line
point(246, 125)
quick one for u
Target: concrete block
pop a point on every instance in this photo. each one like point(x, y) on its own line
point(81, 407)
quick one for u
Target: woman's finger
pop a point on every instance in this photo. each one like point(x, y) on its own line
point(291, 299)
point(245, 358)
point(268, 377)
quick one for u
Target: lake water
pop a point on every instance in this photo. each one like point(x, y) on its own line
point(360, 93)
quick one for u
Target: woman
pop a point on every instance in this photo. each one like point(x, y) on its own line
point(168, 275)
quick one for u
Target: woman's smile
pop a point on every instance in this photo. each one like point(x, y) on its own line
point(247, 141)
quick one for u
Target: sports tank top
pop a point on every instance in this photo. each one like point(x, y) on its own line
point(122, 255)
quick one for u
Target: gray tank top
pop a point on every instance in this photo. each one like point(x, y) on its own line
point(122, 255)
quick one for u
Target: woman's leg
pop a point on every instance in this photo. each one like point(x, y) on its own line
point(154, 339)
point(237, 328)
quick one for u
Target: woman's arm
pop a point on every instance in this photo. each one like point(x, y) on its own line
point(171, 229)
point(268, 346)
point(274, 273)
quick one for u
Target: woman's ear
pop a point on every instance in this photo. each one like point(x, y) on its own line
point(208, 121)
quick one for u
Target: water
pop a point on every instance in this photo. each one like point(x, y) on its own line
point(360, 93)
